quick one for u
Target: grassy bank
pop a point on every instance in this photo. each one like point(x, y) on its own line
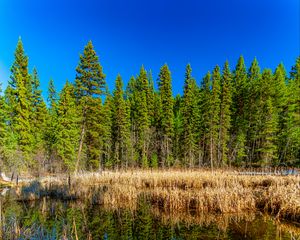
point(173, 191)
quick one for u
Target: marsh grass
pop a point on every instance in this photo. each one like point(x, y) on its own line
point(176, 191)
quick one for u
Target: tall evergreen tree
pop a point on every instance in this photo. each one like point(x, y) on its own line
point(188, 108)
point(142, 116)
point(89, 85)
point(204, 117)
point(50, 134)
point(292, 150)
point(39, 109)
point(38, 120)
point(266, 145)
point(106, 132)
point(214, 110)
point(68, 127)
point(167, 120)
point(18, 97)
point(280, 103)
point(239, 124)
point(178, 131)
point(121, 126)
point(252, 111)
point(225, 115)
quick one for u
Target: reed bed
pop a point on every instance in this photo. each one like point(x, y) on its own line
point(176, 191)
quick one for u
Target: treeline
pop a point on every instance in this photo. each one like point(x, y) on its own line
point(240, 117)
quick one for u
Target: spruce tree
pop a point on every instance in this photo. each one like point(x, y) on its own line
point(167, 119)
point(50, 134)
point(266, 146)
point(188, 108)
point(18, 98)
point(68, 131)
point(105, 117)
point(142, 116)
point(214, 110)
point(89, 85)
point(280, 103)
point(52, 95)
point(39, 110)
point(178, 131)
point(38, 120)
point(120, 126)
point(204, 117)
point(252, 111)
point(225, 115)
point(239, 124)
point(292, 150)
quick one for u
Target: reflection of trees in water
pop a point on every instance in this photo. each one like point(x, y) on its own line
point(55, 219)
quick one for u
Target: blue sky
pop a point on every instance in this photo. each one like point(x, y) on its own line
point(127, 34)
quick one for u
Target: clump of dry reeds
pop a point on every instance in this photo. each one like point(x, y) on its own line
point(178, 191)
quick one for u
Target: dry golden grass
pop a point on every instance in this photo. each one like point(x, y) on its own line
point(174, 191)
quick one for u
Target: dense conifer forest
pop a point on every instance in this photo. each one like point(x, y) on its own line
point(234, 116)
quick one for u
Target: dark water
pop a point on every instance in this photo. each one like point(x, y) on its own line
point(50, 219)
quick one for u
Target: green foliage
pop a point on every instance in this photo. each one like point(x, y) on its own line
point(120, 126)
point(215, 111)
point(89, 86)
point(188, 144)
point(239, 123)
point(68, 127)
point(225, 115)
point(240, 118)
point(167, 118)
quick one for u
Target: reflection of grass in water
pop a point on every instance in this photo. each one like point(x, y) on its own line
point(50, 219)
point(179, 191)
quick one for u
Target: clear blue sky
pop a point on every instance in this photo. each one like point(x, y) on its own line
point(127, 34)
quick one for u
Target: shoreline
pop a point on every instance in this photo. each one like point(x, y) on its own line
point(193, 191)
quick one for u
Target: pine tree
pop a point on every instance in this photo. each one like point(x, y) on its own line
point(178, 131)
point(121, 126)
point(106, 132)
point(68, 127)
point(142, 116)
point(150, 98)
point(52, 95)
point(188, 108)
point(239, 124)
point(18, 98)
point(38, 120)
point(167, 120)
point(204, 117)
point(89, 85)
point(225, 115)
point(39, 109)
point(252, 111)
point(292, 150)
point(50, 135)
point(214, 110)
point(156, 156)
point(266, 146)
point(130, 96)
point(280, 103)
point(152, 153)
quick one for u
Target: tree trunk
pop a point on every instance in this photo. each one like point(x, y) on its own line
point(80, 148)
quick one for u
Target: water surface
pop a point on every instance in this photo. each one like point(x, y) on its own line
point(49, 219)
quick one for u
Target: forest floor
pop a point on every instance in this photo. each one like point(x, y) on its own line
point(174, 191)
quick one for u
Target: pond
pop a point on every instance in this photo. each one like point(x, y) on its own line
point(49, 219)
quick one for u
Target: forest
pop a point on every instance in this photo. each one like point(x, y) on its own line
point(233, 117)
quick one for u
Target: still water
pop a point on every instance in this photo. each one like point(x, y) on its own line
point(48, 219)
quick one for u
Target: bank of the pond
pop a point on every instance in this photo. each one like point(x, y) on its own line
point(174, 191)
